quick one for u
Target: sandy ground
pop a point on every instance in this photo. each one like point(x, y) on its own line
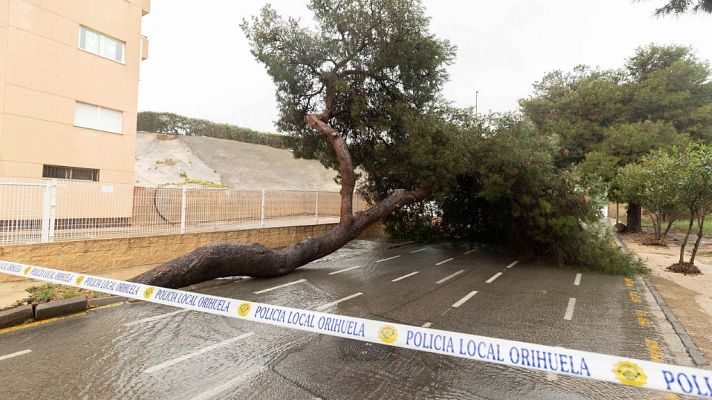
point(689, 297)
point(162, 159)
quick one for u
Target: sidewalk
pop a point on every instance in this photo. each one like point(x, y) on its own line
point(689, 297)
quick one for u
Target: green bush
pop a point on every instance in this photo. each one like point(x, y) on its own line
point(174, 124)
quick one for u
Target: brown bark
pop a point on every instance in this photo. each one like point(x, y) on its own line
point(700, 233)
point(225, 259)
point(687, 236)
point(633, 220)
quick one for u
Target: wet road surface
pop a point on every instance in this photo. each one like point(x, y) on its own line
point(149, 351)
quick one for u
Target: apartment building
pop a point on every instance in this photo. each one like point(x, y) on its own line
point(69, 73)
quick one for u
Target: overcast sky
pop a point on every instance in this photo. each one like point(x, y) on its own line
point(199, 62)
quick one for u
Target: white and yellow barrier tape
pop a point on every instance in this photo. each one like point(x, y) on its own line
point(559, 360)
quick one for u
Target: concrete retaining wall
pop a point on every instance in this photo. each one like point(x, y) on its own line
point(95, 256)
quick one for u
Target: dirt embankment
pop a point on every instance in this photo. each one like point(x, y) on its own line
point(689, 296)
point(210, 162)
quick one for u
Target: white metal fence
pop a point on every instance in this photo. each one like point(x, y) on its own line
point(43, 211)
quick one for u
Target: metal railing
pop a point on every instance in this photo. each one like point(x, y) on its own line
point(52, 210)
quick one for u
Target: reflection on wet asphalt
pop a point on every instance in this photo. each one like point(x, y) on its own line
point(142, 350)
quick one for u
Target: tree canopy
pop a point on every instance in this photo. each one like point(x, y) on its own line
point(376, 71)
point(677, 7)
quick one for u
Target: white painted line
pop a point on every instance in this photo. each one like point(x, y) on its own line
point(216, 390)
point(495, 276)
point(426, 325)
point(404, 276)
point(512, 264)
point(444, 261)
point(386, 259)
point(155, 318)
point(19, 353)
point(204, 350)
point(577, 281)
point(471, 251)
point(570, 309)
point(464, 299)
point(344, 270)
point(447, 278)
point(417, 251)
point(333, 303)
point(552, 377)
point(280, 286)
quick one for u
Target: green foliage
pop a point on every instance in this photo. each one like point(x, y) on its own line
point(42, 293)
point(168, 161)
point(685, 6)
point(511, 194)
point(607, 119)
point(174, 124)
point(654, 184)
point(377, 71)
point(576, 106)
point(668, 83)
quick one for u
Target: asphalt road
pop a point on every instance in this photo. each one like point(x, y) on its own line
point(148, 351)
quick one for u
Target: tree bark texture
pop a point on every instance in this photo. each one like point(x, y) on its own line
point(633, 217)
point(226, 259)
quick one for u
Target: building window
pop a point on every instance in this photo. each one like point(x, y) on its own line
point(100, 44)
point(95, 117)
point(82, 174)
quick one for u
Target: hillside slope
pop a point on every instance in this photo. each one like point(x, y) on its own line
point(168, 159)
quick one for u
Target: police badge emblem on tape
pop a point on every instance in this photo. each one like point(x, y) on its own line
point(582, 364)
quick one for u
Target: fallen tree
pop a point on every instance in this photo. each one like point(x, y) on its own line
point(368, 78)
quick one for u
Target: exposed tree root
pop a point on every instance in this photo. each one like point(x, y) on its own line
point(684, 268)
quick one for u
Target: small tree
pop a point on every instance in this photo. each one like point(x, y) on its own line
point(651, 183)
point(695, 191)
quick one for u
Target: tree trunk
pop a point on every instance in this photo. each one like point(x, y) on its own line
point(225, 259)
point(687, 236)
point(633, 217)
point(655, 218)
point(700, 232)
point(669, 225)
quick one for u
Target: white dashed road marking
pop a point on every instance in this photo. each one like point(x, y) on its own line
point(577, 281)
point(204, 350)
point(426, 325)
point(444, 261)
point(389, 258)
point(471, 251)
point(447, 278)
point(570, 309)
point(495, 276)
point(216, 390)
point(333, 303)
point(19, 353)
point(405, 276)
point(155, 317)
point(417, 251)
point(344, 270)
point(280, 286)
point(512, 264)
point(464, 299)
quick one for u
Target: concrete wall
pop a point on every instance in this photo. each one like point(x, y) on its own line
point(97, 256)
point(43, 72)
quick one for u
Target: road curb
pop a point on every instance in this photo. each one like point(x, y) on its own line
point(105, 301)
point(59, 308)
point(686, 340)
point(16, 316)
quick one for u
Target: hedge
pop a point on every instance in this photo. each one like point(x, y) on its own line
point(174, 124)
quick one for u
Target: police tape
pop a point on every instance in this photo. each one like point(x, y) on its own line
point(559, 360)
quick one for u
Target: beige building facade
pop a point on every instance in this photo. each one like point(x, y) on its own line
point(69, 72)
